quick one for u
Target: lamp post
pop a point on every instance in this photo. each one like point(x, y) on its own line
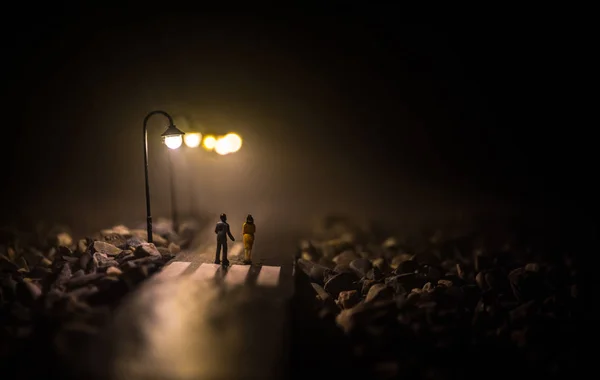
point(172, 138)
point(174, 216)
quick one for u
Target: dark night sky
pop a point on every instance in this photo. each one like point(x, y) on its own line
point(347, 110)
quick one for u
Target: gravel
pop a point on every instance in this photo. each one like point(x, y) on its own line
point(58, 292)
point(447, 304)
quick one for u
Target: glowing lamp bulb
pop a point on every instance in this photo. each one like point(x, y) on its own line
point(192, 139)
point(234, 142)
point(222, 147)
point(209, 142)
point(173, 142)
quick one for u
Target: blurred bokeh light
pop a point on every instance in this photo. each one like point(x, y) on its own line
point(209, 142)
point(222, 146)
point(192, 139)
point(234, 142)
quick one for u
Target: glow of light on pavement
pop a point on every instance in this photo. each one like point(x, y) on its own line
point(192, 139)
point(209, 142)
point(222, 146)
point(234, 142)
point(173, 142)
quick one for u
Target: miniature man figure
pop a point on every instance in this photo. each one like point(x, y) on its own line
point(248, 230)
point(222, 231)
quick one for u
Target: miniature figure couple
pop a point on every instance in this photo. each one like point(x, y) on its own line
point(222, 231)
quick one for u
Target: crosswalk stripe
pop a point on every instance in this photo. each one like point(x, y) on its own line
point(268, 276)
point(236, 274)
point(174, 269)
point(206, 271)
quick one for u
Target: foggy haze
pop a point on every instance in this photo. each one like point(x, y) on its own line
point(331, 122)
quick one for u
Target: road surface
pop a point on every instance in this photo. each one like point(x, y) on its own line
point(198, 320)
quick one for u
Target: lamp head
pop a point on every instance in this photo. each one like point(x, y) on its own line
point(173, 137)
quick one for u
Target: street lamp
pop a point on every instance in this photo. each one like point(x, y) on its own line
point(172, 138)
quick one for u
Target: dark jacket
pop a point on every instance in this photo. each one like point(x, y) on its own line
point(222, 231)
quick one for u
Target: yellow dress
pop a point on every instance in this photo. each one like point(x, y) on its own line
point(248, 230)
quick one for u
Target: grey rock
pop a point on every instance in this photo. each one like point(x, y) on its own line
point(106, 248)
point(82, 246)
point(428, 287)
point(382, 265)
point(324, 261)
point(361, 266)
point(72, 260)
point(163, 251)
point(366, 285)
point(103, 261)
point(345, 257)
point(449, 266)
point(116, 240)
point(125, 256)
point(159, 241)
point(22, 263)
point(84, 260)
point(407, 266)
point(132, 277)
point(140, 262)
point(28, 292)
point(83, 280)
point(343, 268)
point(145, 250)
point(395, 284)
point(411, 280)
point(321, 293)
point(340, 282)
point(78, 273)
point(174, 249)
point(380, 292)
point(314, 271)
point(113, 271)
point(64, 251)
point(412, 298)
point(348, 299)
point(374, 274)
point(399, 259)
point(83, 292)
point(134, 242)
point(63, 277)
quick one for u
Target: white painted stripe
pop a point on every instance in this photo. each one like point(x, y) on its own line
point(174, 269)
point(206, 271)
point(236, 274)
point(268, 276)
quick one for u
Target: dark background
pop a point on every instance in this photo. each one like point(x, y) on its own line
point(341, 111)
